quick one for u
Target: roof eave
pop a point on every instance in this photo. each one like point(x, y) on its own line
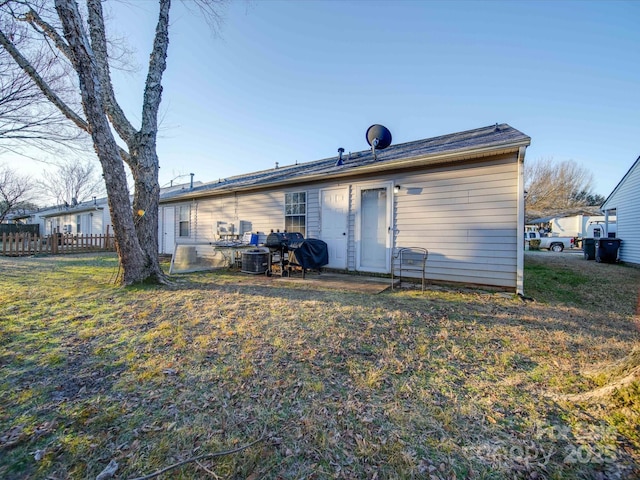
point(604, 205)
point(71, 212)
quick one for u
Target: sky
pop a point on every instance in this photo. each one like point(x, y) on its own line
point(292, 81)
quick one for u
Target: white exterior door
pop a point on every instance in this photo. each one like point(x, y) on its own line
point(373, 221)
point(168, 239)
point(334, 210)
point(86, 224)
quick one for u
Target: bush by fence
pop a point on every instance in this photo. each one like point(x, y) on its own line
point(23, 244)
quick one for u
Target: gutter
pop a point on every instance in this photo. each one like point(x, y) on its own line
point(71, 212)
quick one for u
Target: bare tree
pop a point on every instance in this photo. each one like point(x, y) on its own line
point(16, 192)
point(82, 42)
point(555, 186)
point(71, 182)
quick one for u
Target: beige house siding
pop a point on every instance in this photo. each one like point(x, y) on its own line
point(465, 215)
point(313, 212)
point(351, 234)
point(265, 210)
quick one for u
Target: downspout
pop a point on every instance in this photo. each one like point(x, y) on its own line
point(520, 232)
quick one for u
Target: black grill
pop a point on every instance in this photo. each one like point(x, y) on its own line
point(290, 250)
point(282, 241)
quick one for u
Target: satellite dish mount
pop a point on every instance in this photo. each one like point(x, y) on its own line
point(378, 137)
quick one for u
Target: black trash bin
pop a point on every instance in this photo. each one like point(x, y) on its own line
point(607, 250)
point(589, 248)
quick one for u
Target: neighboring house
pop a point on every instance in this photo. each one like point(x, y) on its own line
point(461, 196)
point(84, 218)
point(92, 217)
point(624, 203)
point(17, 218)
point(578, 223)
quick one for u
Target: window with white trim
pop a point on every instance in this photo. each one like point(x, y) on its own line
point(295, 212)
point(184, 217)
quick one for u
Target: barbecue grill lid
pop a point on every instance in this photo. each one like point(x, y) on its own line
point(283, 239)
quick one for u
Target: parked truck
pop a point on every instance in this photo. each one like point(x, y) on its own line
point(600, 229)
point(554, 244)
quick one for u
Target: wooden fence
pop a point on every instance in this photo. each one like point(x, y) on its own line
point(23, 244)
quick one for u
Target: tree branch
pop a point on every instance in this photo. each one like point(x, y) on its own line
point(116, 115)
point(24, 64)
point(201, 457)
point(33, 18)
point(157, 66)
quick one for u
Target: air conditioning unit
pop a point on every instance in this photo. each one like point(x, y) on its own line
point(255, 261)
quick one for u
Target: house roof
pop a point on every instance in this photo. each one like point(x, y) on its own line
point(588, 210)
point(73, 210)
point(97, 203)
point(446, 148)
point(59, 210)
point(617, 187)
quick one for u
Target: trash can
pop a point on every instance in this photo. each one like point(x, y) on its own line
point(607, 250)
point(589, 248)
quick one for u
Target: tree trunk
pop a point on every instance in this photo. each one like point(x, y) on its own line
point(132, 258)
point(146, 201)
point(142, 156)
point(145, 172)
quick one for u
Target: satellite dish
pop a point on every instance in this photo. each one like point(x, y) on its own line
point(379, 137)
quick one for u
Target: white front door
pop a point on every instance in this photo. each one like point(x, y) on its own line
point(334, 210)
point(373, 219)
point(168, 240)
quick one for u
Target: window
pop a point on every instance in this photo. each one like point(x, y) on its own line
point(295, 212)
point(78, 224)
point(184, 217)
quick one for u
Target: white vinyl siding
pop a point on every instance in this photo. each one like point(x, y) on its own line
point(626, 200)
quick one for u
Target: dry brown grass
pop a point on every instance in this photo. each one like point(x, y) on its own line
point(455, 383)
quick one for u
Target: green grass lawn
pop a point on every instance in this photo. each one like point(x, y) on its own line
point(453, 383)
